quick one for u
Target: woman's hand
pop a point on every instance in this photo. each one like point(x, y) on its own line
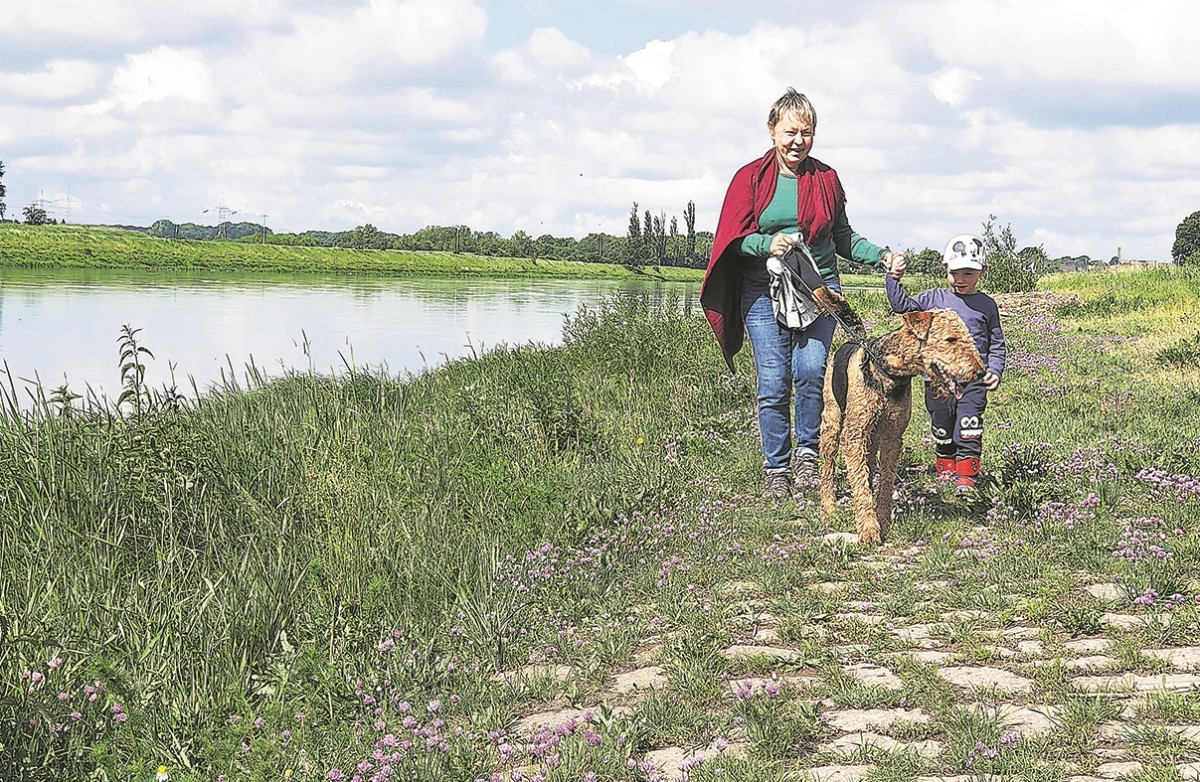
point(991, 381)
point(781, 243)
point(895, 263)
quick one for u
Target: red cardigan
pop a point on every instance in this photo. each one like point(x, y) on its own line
point(819, 198)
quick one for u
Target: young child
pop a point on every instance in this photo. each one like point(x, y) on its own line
point(957, 424)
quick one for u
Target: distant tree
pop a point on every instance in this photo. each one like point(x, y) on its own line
point(927, 261)
point(520, 245)
point(366, 237)
point(633, 247)
point(34, 215)
point(689, 218)
point(1187, 239)
point(673, 251)
point(1035, 260)
point(3, 190)
point(658, 239)
point(1005, 271)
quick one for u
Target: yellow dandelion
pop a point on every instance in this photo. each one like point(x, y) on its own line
point(287, 774)
point(641, 440)
point(161, 775)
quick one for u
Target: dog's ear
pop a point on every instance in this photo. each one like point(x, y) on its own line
point(918, 324)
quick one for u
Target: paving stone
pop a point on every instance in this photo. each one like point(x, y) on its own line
point(758, 684)
point(1183, 658)
point(1127, 682)
point(928, 656)
point(831, 774)
point(841, 539)
point(1029, 720)
point(828, 587)
point(1094, 662)
point(669, 759)
point(1031, 648)
point(1189, 772)
point(767, 636)
point(914, 632)
point(552, 719)
point(854, 742)
point(930, 586)
point(869, 673)
point(650, 678)
point(1187, 732)
point(955, 778)
point(851, 720)
point(743, 652)
point(739, 588)
point(1021, 633)
point(1124, 621)
point(971, 677)
point(1085, 779)
point(1118, 769)
point(1087, 646)
point(1002, 652)
point(1109, 592)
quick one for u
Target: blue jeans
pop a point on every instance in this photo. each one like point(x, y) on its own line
point(790, 364)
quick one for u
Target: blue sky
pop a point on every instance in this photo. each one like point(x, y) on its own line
point(1076, 122)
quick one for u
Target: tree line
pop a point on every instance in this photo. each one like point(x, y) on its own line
point(650, 240)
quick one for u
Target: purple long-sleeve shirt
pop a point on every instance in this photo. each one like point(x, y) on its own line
point(978, 311)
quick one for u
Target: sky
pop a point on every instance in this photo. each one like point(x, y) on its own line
point(1076, 122)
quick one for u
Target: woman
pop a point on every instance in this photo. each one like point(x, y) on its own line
point(769, 200)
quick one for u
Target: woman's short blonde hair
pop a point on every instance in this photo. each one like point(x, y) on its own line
point(792, 102)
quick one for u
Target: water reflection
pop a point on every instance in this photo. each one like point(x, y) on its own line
point(62, 325)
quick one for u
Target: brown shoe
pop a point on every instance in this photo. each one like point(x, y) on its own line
point(778, 484)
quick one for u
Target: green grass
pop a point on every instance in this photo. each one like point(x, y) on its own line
point(112, 248)
point(284, 575)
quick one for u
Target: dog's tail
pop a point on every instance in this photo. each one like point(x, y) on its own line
point(840, 310)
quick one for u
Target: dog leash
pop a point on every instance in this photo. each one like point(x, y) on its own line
point(853, 336)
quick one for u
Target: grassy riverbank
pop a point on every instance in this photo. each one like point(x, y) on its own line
point(80, 247)
point(316, 578)
point(111, 248)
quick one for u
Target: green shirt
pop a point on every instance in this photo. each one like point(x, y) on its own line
point(780, 215)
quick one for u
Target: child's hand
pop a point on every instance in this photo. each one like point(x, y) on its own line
point(895, 263)
point(991, 381)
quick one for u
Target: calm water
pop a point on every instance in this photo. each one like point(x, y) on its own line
point(63, 325)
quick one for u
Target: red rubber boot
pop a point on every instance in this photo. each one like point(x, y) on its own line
point(945, 468)
point(966, 471)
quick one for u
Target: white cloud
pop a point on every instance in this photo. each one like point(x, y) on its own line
point(161, 74)
point(60, 80)
point(952, 85)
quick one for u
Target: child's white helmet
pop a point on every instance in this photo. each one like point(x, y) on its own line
point(964, 251)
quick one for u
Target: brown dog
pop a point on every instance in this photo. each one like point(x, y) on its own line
point(868, 401)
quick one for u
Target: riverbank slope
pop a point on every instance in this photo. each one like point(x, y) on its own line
point(69, 246)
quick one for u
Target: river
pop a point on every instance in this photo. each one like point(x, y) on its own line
point(63, 326)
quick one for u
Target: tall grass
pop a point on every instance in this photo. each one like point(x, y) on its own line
point(179, 550)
